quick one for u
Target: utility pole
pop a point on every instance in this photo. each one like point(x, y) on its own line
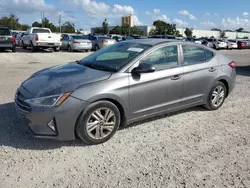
point(60, 21)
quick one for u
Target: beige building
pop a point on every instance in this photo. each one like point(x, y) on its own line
point(128, 20)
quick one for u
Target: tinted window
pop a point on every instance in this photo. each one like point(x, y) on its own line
point(195, 55)
point(106, 58)
point(4, 32)
point(104, 37)
point(40, 31)
point(78, 37)
point(210, 40)
point(162, 58)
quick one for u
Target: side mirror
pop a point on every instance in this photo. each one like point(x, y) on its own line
point(143, 68)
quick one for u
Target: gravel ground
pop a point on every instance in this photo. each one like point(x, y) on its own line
point(191, 148)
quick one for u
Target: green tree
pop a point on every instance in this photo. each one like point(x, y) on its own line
point(36, 24)
point(116, 30)
point(163, 28)
point(135, 31)
point(239, 30)
point(222, 34)
point(68, 27)
point(97, 30)
point(126, 29)
point(188, 32)
point(105, 27)
point(246, 37)
point(152, 32)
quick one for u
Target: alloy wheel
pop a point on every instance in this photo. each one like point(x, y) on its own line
point(101, 123)
point(218, 96)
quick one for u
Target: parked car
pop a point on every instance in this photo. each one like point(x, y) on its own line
point(123, 83)
point(241, 44)
point(232, 44)
point(218, 43)
point(163, 37)
point(76, 43)
point(247, 43)
point(118, 38)
point(100, 41)
point(7, 41)
point(41, 38)
point(127, 38)
point(189, 40)
point(207, 43)
point(198, 41)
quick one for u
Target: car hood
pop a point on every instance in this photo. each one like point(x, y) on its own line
point(60, 79)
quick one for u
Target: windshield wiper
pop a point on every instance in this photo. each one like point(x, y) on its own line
point(97, 67)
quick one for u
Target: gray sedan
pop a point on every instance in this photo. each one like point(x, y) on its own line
point(121, 84)
point(76, 43)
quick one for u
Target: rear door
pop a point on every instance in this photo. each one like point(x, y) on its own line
point(65, 42)
point(200, 67)
point(5, 37)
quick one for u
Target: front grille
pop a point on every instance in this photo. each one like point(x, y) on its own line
point(22, 107)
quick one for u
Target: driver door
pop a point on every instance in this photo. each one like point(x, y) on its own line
point(159, 91)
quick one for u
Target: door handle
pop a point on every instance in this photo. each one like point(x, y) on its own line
point(176, 77)
point(212, 69)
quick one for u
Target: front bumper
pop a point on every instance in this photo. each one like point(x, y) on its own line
point(63, 118)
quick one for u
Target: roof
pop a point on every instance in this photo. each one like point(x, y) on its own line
point(154, 41)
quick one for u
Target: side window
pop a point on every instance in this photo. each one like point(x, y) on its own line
point(194, 55)
point(162, 58)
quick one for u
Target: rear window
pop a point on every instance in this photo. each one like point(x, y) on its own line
point(40, 31)
point(78, 37)
point(4, 32)
point(195, 55)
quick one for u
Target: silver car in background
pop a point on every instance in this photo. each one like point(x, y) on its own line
point(100, 41)
point(76, 43)
point(121, 84)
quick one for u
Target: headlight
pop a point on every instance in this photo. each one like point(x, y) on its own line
point(54, 100)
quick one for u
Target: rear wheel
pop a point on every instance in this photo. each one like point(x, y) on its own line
point(69, 48)
point(97, 47)
point(33, 48)
point(24, 47)
point(87, 50)
point(56, 49)
point(216, 96)
point(98, 123)
point(13, 49)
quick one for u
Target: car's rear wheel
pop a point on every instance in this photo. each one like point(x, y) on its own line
point(24, 47)
point(98, 122)
point(216, 96)
point(33, 48)
point(87, 50)
point(13, 49)
point(97, 48)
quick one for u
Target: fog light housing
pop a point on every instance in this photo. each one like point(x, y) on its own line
point(52, 125)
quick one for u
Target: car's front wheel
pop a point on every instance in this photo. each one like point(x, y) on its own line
point(98, 122)
point(216, 96)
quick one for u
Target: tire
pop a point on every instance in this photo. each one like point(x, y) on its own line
point(56, 49)
point(87, 50)
point(97, 47)
point(210, 104)
point(13, 49)
point(70, 49)
point(91, 137)
point(214, 47)
point(24, 47)
point(33, 48)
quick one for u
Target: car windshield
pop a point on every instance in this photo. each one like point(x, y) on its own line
point(4, 32)
point(78, 37)
point(40, 31)
point(114, 57)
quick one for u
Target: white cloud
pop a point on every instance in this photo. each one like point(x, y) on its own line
point(208, 24)
point(187, 14)
point(180, 23)
point(122, 10)
point(26, 6)
point(163, 17)
point(229, 23)
point(245, 14)
point(148, 13)
point(137, 21)
point(207, 14)
point(156, 11)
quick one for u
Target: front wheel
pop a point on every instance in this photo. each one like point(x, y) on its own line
point(98, 123)
point(216, 96)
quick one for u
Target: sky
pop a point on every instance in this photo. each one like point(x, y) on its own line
point(197, 14)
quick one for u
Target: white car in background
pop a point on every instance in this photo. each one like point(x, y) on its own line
point(232, 44)
point(198, 41)
point(218, 43)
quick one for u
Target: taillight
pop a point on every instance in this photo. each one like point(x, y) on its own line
point(37, 39)
point(13, 39)
point(76, 42)
point(104, 41)
point(89, 42)
point(232, 65)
